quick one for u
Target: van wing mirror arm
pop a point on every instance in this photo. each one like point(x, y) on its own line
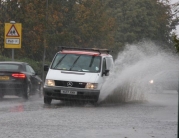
point(106, 72)
point(46, 67)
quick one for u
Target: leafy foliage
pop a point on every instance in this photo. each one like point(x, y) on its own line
point(176, 43)
point(141, 19)
point(31, 62)
point(85, 23)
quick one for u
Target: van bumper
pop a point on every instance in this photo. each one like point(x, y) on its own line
point(81, 94)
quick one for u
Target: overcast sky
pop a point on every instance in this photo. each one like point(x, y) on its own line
point(172, 2)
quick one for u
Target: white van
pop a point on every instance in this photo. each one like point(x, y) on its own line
point(76, 74)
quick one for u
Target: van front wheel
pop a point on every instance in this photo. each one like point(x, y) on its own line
point(47, 100)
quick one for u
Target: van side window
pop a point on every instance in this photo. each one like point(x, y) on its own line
point(104, 65)
point(109, 63)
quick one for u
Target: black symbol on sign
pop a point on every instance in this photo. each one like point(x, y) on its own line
point(12, 32)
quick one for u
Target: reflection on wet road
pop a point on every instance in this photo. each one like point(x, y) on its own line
point(155, 117)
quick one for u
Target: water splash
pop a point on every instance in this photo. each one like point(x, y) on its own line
point(133, 68)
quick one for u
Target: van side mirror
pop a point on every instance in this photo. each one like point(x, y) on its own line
point(46, 67)
point(106, 72)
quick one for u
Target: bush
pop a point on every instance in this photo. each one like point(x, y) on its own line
point(36, 65)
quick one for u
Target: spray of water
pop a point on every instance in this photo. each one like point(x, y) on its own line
point(133, 68)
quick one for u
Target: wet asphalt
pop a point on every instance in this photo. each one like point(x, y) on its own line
point(155, 117)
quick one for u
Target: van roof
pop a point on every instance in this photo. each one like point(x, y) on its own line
point(85, 51)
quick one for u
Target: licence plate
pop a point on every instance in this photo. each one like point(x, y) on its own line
point(4, 77)
point(68, 92)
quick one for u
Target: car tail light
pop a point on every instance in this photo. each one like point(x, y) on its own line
point(19, 75)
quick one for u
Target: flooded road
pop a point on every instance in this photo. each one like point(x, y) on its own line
point(156, 117)
point(127, 109)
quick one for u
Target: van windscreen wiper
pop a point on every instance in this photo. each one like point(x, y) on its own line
point(59, 61)
point(74, 62)
point(92, 60)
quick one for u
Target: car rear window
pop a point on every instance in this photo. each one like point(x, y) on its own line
point(13, 67)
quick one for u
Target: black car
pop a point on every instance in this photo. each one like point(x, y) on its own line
point(18, 78)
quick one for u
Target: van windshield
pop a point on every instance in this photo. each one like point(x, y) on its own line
point(76, 62)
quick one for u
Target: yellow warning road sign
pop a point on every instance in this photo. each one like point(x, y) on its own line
point(13, 35)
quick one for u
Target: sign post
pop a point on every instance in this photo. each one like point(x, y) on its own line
point(13, 35)
point(178, 112)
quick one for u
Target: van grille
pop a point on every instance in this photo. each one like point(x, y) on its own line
point(74, 84)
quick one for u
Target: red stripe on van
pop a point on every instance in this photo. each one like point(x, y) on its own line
point(80, 52)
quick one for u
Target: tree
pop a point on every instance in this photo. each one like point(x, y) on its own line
point(33, 21)
point(85, 23)
point(94, 27)
point(6, 15)
point(136, 20)
point(176, 43)
point(80, 24)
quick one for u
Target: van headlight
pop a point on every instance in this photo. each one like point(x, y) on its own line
point(50, 82)
point(91, 85)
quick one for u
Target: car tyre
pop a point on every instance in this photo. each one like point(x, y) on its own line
point(26, 93)
point(47, 100)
